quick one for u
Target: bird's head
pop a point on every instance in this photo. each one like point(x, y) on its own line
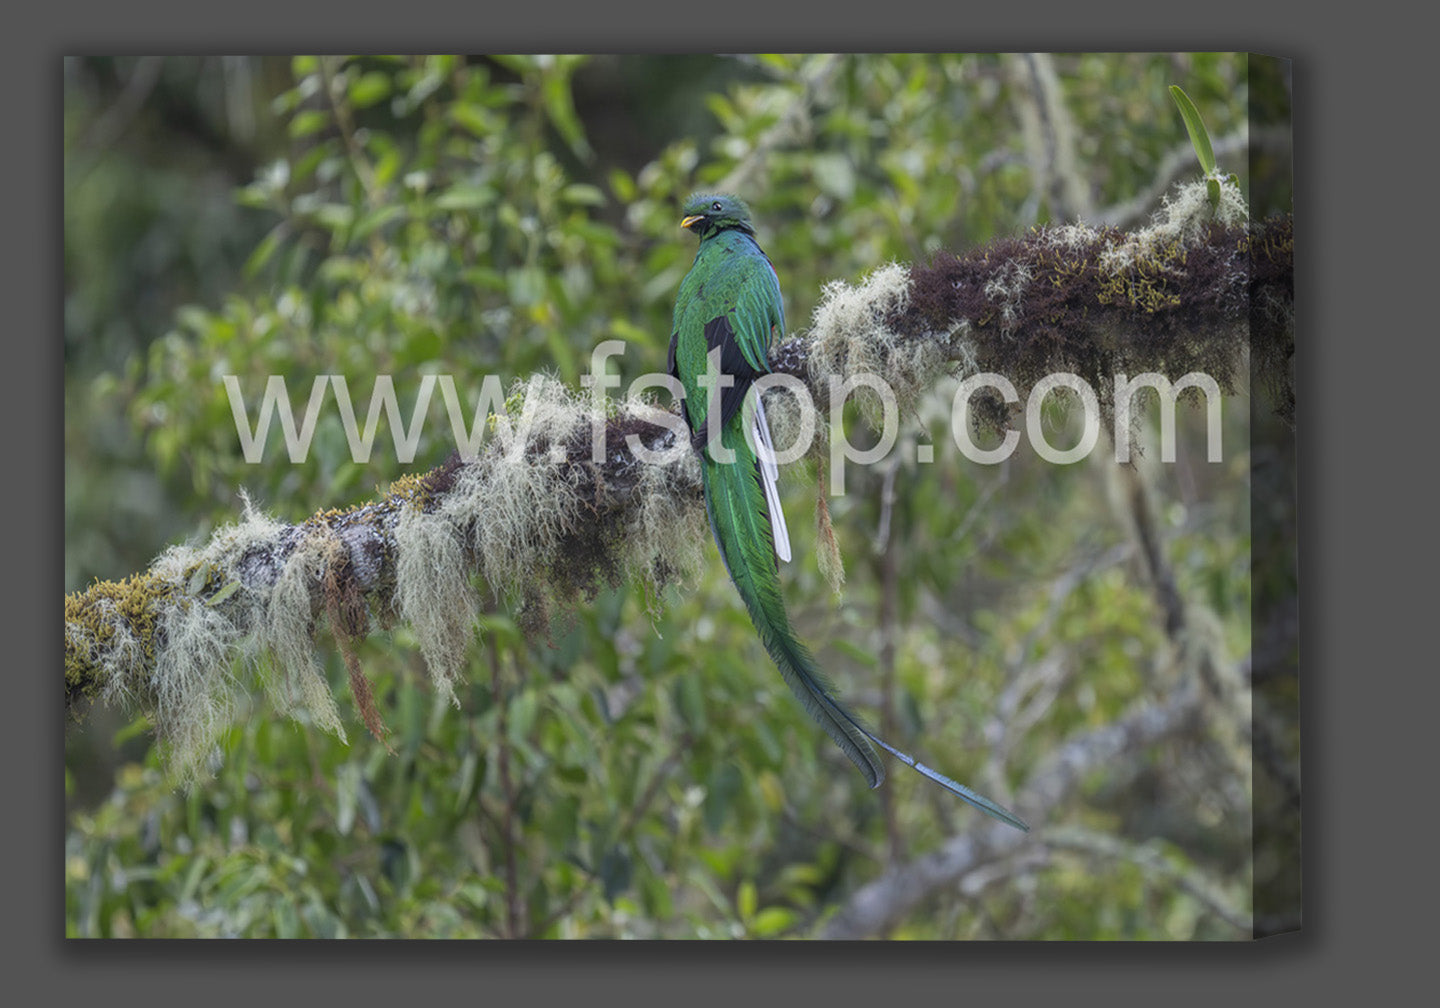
point(707, 213)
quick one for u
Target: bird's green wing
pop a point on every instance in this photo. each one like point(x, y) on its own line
point(759, 309)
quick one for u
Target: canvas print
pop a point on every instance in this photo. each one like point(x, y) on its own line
point(748, 496)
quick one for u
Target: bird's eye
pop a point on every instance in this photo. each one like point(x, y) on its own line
point(715, 205)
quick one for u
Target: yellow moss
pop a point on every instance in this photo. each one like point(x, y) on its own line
point(331, 516)
point(1140, 280)
point(409, 489)
point(1273, 246)
point(91, 624)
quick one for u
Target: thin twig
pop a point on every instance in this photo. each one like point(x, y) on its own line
point(1050, 135)
point(513, 908)
point(888, 618)
point(1037, 682)
point(632, 816)
point(1153, 862)
point(346, 126)
point(109, 125)
point(813, 79)
point(879, 905)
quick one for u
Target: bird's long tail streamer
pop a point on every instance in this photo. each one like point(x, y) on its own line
point(739, 517)
point(769, 478)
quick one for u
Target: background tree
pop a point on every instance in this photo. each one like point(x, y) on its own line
point(640, 770)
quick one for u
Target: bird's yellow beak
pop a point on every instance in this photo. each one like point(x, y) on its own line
point(691, 220)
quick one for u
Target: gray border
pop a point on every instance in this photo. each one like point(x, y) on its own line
point(1363, 925)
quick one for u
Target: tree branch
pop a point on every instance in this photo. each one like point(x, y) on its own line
point(1049, 132)
point(546, 521)
point(1151, 859)
point(880, 905)
point(1208, 687)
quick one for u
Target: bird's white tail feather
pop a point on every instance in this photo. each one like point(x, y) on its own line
point(769, 474)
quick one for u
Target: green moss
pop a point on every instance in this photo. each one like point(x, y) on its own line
point(95, 618)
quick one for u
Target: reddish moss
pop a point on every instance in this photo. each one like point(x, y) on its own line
point(1172, 307)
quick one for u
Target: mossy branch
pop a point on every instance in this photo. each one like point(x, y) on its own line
point(540, 521)
point(545, 525)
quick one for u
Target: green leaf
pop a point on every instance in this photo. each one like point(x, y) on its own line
point(562, 353)
point(472, 119)
point(772, 921)
point(346, 791)
point(137, 726)
point(285, 919)
point(308, 122)
point(560, 107)
point(309, 163)
point(855, 652)
point(369, 89)
point(465, 787)
point(720, 794)
point(374, 220)
point(658, 901)
point(335, 216)
point(196, 872)
point(465, 198)
point(746, 900)
point(322, 923)
point(223, 594)
point(691, 703)
point(623, 185)
point(583, 194)
point(500, 626)
point(522, 714)
point(1199, 138)
point(520, 65)
point(265, 250)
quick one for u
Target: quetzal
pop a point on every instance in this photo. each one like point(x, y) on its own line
point(730, 302)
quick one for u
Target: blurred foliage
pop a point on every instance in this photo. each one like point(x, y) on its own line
point(644, 772)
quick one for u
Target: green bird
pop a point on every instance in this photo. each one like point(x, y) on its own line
point(728, 308)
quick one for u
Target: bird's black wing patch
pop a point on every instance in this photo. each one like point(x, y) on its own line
point(718, 332)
